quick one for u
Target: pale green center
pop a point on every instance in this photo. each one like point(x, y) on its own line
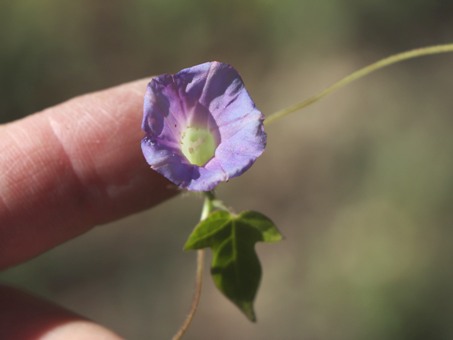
point(198, 145)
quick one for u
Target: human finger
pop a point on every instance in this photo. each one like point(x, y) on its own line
point(25, 317)
point(71, 167)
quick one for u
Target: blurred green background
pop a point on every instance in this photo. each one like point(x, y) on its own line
point(361, 184)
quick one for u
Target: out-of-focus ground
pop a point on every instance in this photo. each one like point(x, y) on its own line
point(361, 184)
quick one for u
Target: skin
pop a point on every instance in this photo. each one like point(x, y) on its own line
point(63, 171)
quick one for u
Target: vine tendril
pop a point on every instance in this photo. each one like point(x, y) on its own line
point(393, 59)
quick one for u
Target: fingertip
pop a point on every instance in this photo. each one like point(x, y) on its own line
point(80, 329)
point(27, 317)
point(71, 167)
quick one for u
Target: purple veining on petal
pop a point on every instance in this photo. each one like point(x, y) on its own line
point(210, 97)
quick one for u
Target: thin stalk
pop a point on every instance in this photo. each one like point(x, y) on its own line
point(393, 59)
point(207, 208)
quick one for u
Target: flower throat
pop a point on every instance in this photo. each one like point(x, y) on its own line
point(198, 145)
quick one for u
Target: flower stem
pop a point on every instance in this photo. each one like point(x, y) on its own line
point(393, 59)
point(208, 207)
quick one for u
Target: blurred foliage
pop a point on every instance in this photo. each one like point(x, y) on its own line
point(361, 184)
point(87, 45)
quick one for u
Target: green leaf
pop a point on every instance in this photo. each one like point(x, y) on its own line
point(235, 267)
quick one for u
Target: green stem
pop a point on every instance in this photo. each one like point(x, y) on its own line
point(396, 58)
point(208, 207)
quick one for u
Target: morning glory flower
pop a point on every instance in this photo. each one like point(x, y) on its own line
point(201, 126)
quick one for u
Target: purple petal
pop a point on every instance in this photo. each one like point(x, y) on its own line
point(210, 96)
